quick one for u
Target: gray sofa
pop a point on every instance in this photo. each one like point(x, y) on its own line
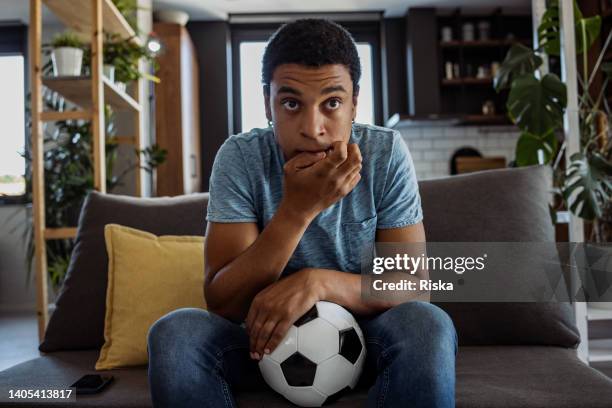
point(510, 354)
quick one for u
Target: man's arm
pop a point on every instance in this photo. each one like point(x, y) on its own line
point(240, 262)
point(345, 288)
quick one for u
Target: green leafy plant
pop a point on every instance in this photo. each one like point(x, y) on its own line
point(124, 55)
point(128, 9)
point(69, 178)
point(536, 104)
point(67, 39)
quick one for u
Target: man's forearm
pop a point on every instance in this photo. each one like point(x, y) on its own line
point(233, 287)
point(345, 289)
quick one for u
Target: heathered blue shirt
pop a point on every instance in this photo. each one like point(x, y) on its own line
point(246, 185)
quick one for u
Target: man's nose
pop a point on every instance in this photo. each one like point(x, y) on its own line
point(313, 124)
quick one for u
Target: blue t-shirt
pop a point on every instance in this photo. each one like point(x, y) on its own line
point(246, 185)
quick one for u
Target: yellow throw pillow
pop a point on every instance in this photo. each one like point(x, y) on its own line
point(148, 276)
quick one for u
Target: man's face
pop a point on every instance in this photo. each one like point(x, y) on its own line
point(311, 107)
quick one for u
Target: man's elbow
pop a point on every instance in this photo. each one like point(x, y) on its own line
point(215, 304)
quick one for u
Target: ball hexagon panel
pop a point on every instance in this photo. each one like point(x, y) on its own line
point(273, 374)
point(318, 340)
point(305, 397)
point(287, 347)
point(298, 371)
point(337, 316)
point(333, 374)
point(350, 345)
point(334, 397)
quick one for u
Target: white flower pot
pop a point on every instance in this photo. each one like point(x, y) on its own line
point(67, 61)
point(122, 86)
point(109, 72)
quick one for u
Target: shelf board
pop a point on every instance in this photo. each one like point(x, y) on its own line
point(467, 81)
point(60, 233)
point(482, 44)
point(78, 91)
point(486, 120)
point(599, 314)
point(78, 18)
point(600, 350)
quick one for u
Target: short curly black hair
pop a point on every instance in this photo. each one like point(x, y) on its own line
point(311, 42)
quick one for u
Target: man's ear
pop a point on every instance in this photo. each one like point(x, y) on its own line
point(266, 93)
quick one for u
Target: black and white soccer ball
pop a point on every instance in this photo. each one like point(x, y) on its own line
point(320, 358)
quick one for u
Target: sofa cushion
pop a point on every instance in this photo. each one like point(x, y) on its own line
point(505, 205)
point(148, 277)
point(78, 320)
point(487, 377)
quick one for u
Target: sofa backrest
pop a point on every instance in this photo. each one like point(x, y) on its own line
point(498, 205)
point(504, 205)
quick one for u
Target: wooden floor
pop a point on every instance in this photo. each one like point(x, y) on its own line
point(18, 338)
point(19, 343)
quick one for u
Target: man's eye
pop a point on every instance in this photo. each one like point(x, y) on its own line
point(290, 104)
point(333, 104)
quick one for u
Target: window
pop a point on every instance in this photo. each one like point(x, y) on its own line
point(248, 48)
point(12, 163)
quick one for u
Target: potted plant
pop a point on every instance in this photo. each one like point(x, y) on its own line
point(68, 178)
point(67, 54)
point(536, 104)
point(124, 55)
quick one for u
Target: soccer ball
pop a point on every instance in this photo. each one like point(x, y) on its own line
point(319, 359)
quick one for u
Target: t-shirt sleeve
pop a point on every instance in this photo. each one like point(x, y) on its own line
point(231, 197)
point(401, 202)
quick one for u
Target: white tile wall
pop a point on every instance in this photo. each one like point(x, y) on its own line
point(432, 147)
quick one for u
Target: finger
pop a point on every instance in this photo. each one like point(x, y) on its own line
point(353, 160)
point(252, 317)
point(264, 336)
point(257, 325)
point(352, 181)
point(305, 159)
point(338, 154)
point(279, 333)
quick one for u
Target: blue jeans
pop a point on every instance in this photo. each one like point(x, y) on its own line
point(197, 358)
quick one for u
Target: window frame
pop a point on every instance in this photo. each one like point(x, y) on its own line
point(362, 31)
point(14, 42)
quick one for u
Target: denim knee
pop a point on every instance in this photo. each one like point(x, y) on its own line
point(426, 319)
point(172, 332)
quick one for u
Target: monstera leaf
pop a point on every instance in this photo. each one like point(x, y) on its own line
point(587, 30)
point(536, 106)
point(529, 144)
point(588, 185)
point(519, 61)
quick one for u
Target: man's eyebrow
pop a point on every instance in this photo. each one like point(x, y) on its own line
point(288, 89)
point(331, 89)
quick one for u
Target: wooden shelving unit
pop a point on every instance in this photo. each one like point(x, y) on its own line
point(467, 81)
point(78, 91)
point(482, 43)
point(90, 19)
point(463, 92)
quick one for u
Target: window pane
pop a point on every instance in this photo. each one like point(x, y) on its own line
point(251, 94)
point(12, 164)
point(251, 97)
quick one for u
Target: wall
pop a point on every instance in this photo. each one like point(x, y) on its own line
point(432, 147)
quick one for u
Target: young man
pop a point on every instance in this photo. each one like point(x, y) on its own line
point(290, 209)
